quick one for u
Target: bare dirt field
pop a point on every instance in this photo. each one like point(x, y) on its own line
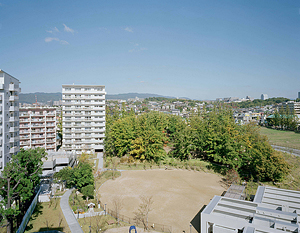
point(178, 195)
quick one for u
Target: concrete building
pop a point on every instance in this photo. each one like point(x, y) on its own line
point(38, 128)
point(58, 160)
point(264, 97)
point(299, 95)
point(273, 210)
point(9, 117)
point(83, 109)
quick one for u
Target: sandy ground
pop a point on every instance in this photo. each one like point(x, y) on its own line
point(178, 195)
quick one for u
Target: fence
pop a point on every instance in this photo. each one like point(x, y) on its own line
point(126, 219)
point(29, 213)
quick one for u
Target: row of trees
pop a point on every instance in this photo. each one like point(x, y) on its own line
point(259, 102)
point(284, 119)
point(18, 183)
point(211, 136)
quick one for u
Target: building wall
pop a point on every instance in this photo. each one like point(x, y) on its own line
point(83, 109)
point(38, 128)
point(9, 117)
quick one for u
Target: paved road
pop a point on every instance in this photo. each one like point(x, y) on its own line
point(68, 213)
point(100, 158)
point(286, 149)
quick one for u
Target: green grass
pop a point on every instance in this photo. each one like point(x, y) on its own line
point(282, 138)
point(47, 216)
point(98, 222)
point(292, 181)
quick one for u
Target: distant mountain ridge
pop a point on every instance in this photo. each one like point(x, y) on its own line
point(43, 97)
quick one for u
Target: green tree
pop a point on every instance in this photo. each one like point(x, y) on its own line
point(18, 180)
point(83, 174)
point(88, 191)
point(66, 174)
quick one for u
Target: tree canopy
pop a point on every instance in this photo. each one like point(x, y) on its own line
point(213, 136)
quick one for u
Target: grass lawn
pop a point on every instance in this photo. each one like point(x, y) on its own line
point(47, 216)
point(293, 179)
point(282, 138)
point(98, 222)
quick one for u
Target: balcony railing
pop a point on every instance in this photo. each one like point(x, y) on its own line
point(13, 108)
point(13, 150)
point(13, 98)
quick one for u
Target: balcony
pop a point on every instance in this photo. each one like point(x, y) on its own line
point(0, 119)
point(13, 119)
point(38, 142)
point(24, 126)
point(13, 87)
point(24, 120)
point(38, 125)
point(37, 131)
point(13, 150)
point(1, 86)
point(14, 139)
point(24, 143)
point(14, 129)
point(13, 108)
point(13, 98)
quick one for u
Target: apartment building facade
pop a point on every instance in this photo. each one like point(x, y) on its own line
point(9, 117)
point(83, 110)
point(38, 128)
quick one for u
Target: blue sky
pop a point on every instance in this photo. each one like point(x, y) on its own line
point(196, 49)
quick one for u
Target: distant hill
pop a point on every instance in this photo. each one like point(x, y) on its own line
point(44, 97)
point(126, 96)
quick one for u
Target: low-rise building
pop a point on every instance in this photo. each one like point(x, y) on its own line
point(272, 210)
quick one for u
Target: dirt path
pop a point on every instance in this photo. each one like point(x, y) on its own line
point(178, 195)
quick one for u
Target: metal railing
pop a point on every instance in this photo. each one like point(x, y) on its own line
point(29, 213)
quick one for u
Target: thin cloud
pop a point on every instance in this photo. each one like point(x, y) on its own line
point(64, 42)
point(54, 30)
point(128, 29)
point(137, 50)
point(67, 29)
point(50, 39)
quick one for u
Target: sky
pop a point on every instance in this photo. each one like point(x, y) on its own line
point(197, 49)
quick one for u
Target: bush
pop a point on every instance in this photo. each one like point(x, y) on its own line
point(232, 176)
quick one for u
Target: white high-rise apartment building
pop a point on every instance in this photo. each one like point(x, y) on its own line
point(9, 117)
point(83, 109)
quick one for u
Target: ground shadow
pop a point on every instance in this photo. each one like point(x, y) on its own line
point(196, 221)
point(37, 211)
point(224, 183)
point(218, 168)
point(53, 230)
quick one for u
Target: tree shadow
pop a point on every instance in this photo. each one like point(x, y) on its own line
point(52, 229)
point(221, 169)
point(37, 212)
